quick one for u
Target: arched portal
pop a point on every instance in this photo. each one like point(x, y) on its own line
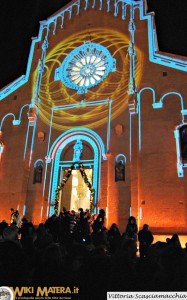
point(62, 156)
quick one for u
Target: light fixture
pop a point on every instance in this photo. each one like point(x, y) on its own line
point(41, 136)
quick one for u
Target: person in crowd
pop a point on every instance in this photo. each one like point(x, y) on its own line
point(83, 225)
point(131, 229)
point(174, 241)
point(114, 238)
point(10, 233)
point(52, 224)
point(101, 216)
point(12, 211)
point(145, 238)
point(3, 225)
point(16, 219)
point(104, 261)
point(98, 224)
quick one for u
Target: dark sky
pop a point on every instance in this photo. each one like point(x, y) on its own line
point(19, 20)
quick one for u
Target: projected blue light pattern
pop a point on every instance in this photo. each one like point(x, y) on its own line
point(37, 162)
point(154, 56)
point(120, 6)
point(180, 165)
point(76, 106)
point(84, 134)
point(1, 148)
point(86, 66)
point(159, 105)
point(121, 157)
point(15, 121)
point(115, 86)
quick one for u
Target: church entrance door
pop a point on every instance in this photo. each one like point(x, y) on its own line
point(76, 194)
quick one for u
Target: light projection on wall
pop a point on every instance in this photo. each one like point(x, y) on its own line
point(1, 149)
point(114, 86)
point(180, 134)
point(85, 67)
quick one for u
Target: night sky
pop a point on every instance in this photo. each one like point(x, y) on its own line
point(19, 21)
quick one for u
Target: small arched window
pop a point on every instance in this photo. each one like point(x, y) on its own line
point(183, 143)
point(38, 170)
point(120, 167)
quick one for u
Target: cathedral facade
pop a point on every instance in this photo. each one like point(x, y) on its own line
point(98, 121)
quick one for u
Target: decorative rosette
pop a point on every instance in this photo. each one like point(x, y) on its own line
point(85, 67)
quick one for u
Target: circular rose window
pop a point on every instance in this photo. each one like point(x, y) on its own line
point(85, 67)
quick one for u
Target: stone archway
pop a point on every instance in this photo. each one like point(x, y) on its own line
point(56, 151)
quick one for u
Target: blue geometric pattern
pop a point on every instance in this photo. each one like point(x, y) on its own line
point(85, 67)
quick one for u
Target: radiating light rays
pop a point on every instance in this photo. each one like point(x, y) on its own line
point(115, 85)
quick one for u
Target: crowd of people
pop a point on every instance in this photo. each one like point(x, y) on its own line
point(76, 249)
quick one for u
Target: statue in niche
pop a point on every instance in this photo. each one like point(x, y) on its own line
point(78, 148)
point(183, 135)
point(120, 171)
point(38, 172)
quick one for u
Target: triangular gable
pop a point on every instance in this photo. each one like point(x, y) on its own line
point(119, 8)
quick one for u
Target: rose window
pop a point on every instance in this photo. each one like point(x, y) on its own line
point(85, 67)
